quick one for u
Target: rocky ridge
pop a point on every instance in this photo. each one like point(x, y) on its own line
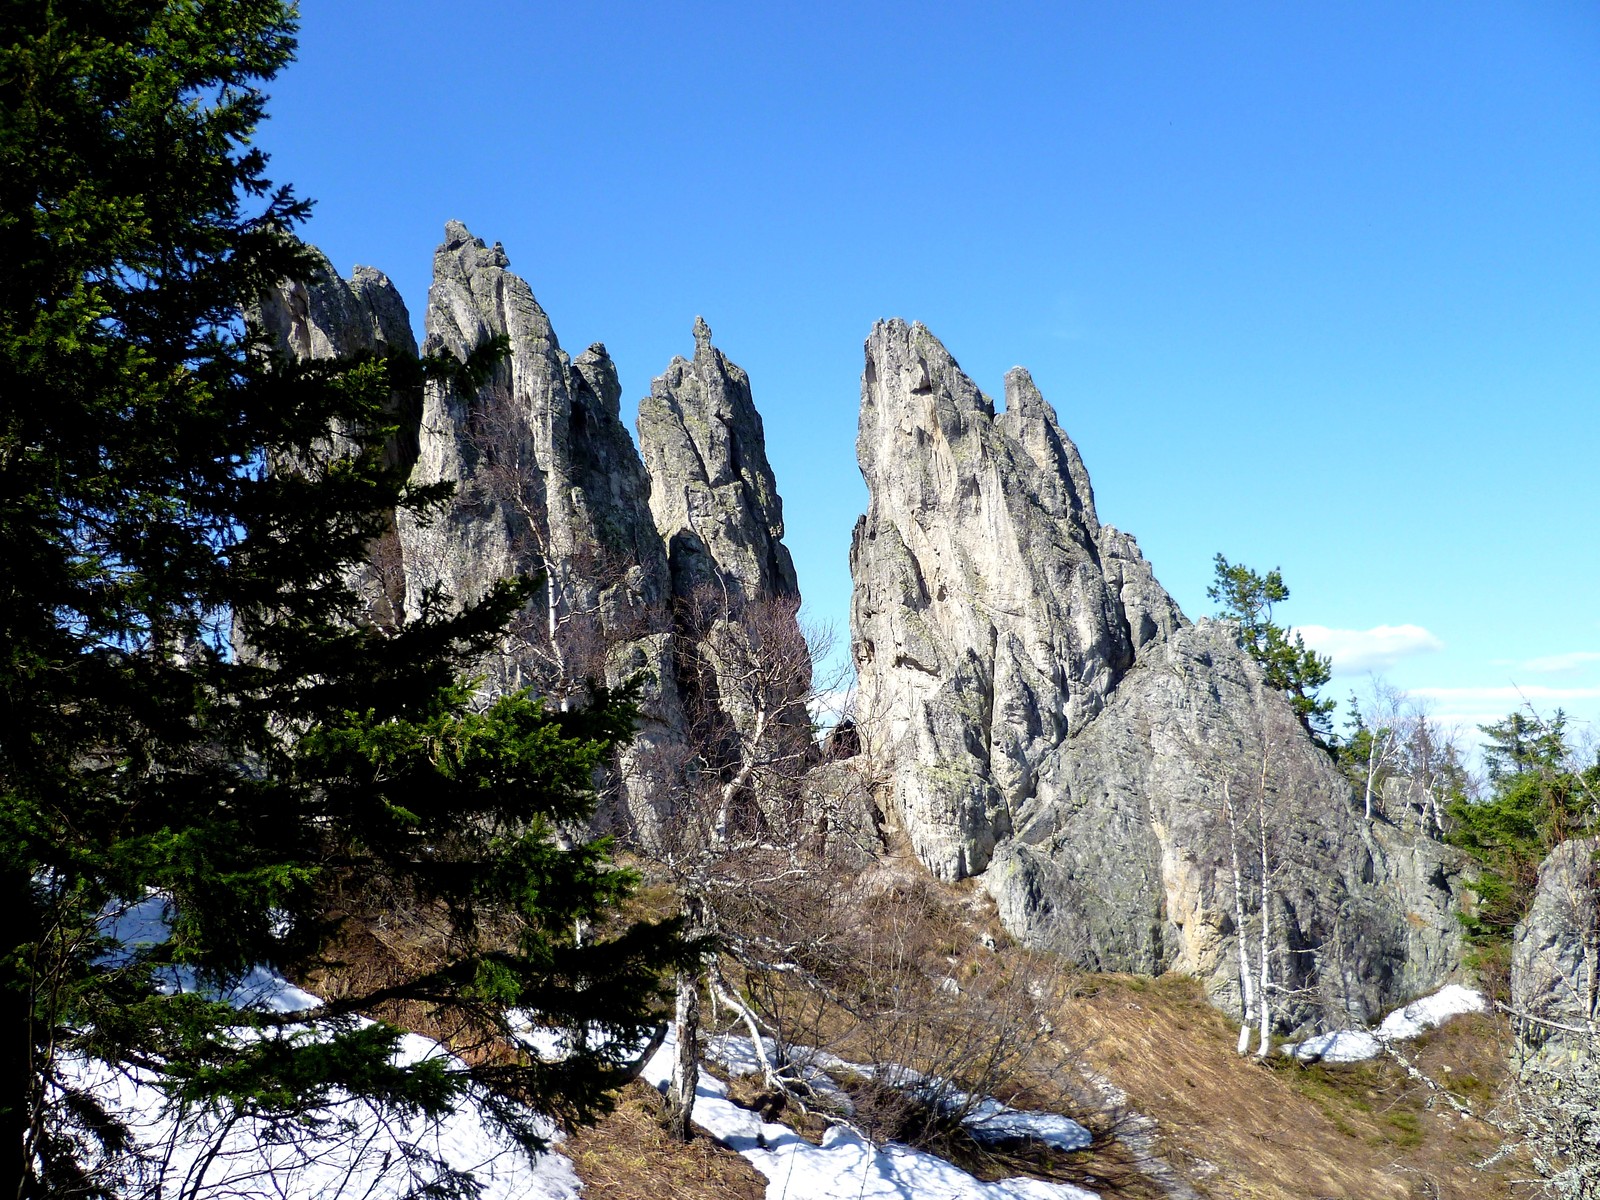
point(1045, 715)
point(548, 482)
point(1053, 722)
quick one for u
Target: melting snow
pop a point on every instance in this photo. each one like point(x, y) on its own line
point(1415, 1019)
point(359, 1151)
point(348, 1148)
point(356, 1150)
point(846, 1164)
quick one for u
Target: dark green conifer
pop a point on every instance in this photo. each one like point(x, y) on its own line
point(1289, 664)
point(259, 796)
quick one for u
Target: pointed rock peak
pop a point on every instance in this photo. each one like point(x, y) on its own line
point(908, 360)
point(458, 237)
point(1022, 394)
point(702, 337)
point(321, 315)
point(369, 276)
point(596, 370)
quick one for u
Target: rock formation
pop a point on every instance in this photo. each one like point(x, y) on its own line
point(1050, 719)
point(1040, 711)
point(547, 483)
point(743, 662)
point(712, 492)
point(986, 629)
point(1555, 953)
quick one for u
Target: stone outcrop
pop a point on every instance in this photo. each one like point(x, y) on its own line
point(547, 483)
point(743, 665)
point(545, 474)
point(1555, 953)
point(1033, 706)
point(985, 627)
point(1050, 719)
point(712, 491)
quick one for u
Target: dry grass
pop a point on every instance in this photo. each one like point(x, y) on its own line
point(629, 1156)
point(1231, 1127)
point(1241, 1130)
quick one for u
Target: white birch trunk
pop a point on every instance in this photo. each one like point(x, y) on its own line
point(1263, 998)
point(1246, 983)
point(686, 1067)
point(1372, 771)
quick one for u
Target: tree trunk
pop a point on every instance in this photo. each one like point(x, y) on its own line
point(686, 1069)
point(1246, 983)
point(1263, 1002)
point(17, 1090)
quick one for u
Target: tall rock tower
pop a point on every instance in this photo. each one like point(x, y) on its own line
point(1052, 721)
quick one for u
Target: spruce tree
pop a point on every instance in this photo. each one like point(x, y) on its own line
point(1244, 596)
point(253, 797)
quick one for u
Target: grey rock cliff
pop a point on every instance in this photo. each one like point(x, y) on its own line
point(1555, 953)
point(1049, 718)
point(984, 626)
point(712, 494)
point(546, 476)
point(1123, 858)
point(547, 482)
point(743, 666)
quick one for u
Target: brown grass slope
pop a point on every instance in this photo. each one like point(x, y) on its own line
point(1231, 1128)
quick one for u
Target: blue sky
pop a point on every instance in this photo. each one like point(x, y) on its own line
point(1314, 286)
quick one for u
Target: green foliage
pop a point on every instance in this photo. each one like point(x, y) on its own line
point(1246, 597)
point(143, 760)
point(1364, 752)
point(1537, 801)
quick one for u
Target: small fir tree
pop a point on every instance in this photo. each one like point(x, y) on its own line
point(1289, 664)
point(1536, 801)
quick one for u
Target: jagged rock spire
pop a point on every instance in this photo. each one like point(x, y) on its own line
point(744, 669)
point(1049, 717)
point(712, 491)
point(985, 629)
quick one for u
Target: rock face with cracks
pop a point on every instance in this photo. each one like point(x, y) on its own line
point(986, 625)
point(1052, 721)
point(712, 492)
point(547, 483)
point(1555, 952)
point(743, 664)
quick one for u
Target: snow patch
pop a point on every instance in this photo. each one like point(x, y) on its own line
point(354, 1151)
point(1413, 1020)
point(347, 1149)
point(846, 1164)
point(1430, 1012)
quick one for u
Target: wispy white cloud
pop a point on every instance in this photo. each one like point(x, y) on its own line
point(1554, 664)
point(1357, 651)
